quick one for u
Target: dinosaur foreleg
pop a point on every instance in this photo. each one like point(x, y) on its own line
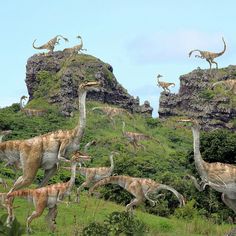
point(47, 175)
point(200, 187)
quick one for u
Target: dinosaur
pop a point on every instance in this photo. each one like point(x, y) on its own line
point(93, 175)
point(140, 188)
point(209, 56)
point(229, 84)
point(164, 85)
point(51, 43)
point(134, 137)
point(45, 151)
point(46, 197)
point(29, 111)
point(111, 112)
point(219, 176)
point(4, 133)
point(76, 49)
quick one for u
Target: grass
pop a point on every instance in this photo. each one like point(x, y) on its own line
point(76, 216)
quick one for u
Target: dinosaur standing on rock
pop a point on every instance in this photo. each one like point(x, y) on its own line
point(164, 85)
point(50, 45)
point(209, 56)
point(76, 49)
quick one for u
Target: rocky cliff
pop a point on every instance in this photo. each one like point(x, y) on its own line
point(215, 106)
point(55, 76)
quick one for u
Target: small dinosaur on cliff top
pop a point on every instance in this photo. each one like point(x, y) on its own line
point(209, 56)
point(163, 84)
point(51, 43)
point(76, 49)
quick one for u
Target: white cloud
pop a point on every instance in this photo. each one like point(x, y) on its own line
point(175, 46)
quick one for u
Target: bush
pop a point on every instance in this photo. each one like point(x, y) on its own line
point(117, 223)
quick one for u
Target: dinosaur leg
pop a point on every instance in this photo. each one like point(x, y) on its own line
point(47, 175)
point(209, 63)
point(231, 203)
point(200, 187)
point(51, 218)
point(39, 208)
point(136, 190)
point(85, 184)
point(212, 61)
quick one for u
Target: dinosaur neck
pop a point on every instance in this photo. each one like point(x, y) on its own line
point(72, 178)
point(112, 162)
point(79, 129)
point(21, 104)
point(196, 146)
point(81, 42)
point(1, 136)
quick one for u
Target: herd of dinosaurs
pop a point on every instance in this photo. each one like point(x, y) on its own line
point(47, 151)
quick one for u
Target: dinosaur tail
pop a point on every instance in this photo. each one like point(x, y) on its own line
point(172, 84)
point(20, 193)
point(176, 193)
point(107, 180)
point(217, 83)
point(40, 47)
point(223, 51)
point(195, 50)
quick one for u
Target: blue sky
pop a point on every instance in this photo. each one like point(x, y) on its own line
point(140, 39)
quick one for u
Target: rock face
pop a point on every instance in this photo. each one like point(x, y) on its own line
point(197, 98)
point(55, 77)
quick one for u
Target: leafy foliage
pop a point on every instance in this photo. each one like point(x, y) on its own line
point(117, 223)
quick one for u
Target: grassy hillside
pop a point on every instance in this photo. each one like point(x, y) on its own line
point(167, 158)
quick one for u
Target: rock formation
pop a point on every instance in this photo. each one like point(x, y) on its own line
point(53, 77)
point(197, 98)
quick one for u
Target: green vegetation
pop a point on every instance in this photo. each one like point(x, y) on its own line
point(167, 159)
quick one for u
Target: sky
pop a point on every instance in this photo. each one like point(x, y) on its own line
point(139, 38)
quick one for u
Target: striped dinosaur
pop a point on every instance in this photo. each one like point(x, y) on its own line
point(141, 188)
point(46, 197)
point(45, 151)
point(209, 56)
point(50, 45)
point(164, 85)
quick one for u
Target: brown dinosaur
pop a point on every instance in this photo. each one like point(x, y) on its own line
point(140, 188)
point(45, 151)
point(230, 84)
point(93, 175)
point(29, 111)
point(209, 56)
point(76, 49)
point(134, 138)
point(46, 197)
point(111, 112)
point(221, 177)
point(164, 85)
point(50, 45)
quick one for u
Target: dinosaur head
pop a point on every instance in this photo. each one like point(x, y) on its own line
point(191, 121)
point(90, 86)
point(23, 97)
point(80, 157)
